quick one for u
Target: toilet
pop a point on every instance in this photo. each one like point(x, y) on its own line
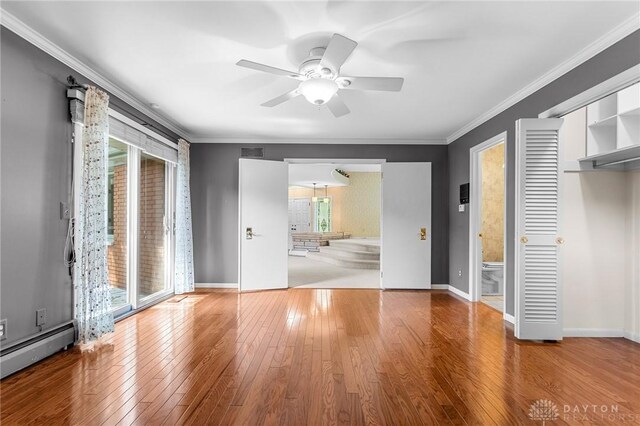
point(492, 278)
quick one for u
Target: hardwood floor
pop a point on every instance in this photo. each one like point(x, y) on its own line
point(307, 356)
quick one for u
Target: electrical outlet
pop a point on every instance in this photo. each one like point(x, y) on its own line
point(41, 316)
point(459, 272)
point(3, 329)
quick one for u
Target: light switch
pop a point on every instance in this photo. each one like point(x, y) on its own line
point(460, 208)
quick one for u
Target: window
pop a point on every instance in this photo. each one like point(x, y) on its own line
point(323, 222)
point(140, 206)
point(117, 251)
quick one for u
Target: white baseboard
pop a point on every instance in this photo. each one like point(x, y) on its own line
point(217, 285)
point(632, 336)
point(459, 292)
point(593, 332)
point(509, 318)
point(452, 289)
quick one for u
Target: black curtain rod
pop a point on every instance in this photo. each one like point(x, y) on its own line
point(73, 83)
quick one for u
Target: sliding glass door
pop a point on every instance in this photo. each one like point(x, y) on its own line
point(117, 229)
point(140, 220)
point(154, 232)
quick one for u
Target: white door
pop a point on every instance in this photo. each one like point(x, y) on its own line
point(538, 290)
point(406, 212)
point(263, 225)
point(299, 217)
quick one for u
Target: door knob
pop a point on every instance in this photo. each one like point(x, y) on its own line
point(423, 233)
point(480, 235)
point(524, 240)
point(249, 233)
point(560, 240)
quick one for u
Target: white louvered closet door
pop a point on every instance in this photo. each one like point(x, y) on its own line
point(538, 289)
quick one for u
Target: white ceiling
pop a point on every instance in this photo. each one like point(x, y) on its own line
point(459, 59)
point(306, 174)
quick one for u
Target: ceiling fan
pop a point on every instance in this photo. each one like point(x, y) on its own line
point(320, 77)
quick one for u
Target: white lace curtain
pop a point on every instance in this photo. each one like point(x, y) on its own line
point(184, 237)
point(91, 281)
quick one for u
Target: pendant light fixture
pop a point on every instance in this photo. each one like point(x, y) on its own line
point(314, 198)
point(326, 197)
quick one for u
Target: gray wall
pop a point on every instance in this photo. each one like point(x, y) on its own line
point(619, 57)
point(214, 186)
point(35, 161)
point(35, 177)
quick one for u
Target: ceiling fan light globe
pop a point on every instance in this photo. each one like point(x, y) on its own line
point(318, 90)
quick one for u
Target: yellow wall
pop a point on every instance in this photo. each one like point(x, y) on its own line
point(356, 208)
point(493, 204)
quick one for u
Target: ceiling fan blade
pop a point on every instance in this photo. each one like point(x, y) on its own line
point(271, 70)
point(282, 98)
point(337, 107)
point(387, 84)
point(337, 52)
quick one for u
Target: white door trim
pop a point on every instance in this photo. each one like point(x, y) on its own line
point(475, 194)
point(133, 223)
point(171, 170)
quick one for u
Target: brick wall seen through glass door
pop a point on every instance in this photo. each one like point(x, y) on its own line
point(152, 237)
point(117, 223)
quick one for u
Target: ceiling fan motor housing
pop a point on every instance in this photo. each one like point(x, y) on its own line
point(311, 66)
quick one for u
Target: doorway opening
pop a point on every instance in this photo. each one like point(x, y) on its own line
point(404, 235)
point(487, 223)
point(334, 225)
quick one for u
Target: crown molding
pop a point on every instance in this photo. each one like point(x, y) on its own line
point(618, 33)
point(15, 25)
point(325, 141)
point(607, 87)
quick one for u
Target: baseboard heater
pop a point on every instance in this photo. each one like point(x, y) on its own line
point(31, 350)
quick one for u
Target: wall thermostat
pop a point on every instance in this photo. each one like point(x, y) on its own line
point(464, 193)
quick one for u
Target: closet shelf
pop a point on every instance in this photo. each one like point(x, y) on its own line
point(605, 122)
point(621, 155)
point(630, 113)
